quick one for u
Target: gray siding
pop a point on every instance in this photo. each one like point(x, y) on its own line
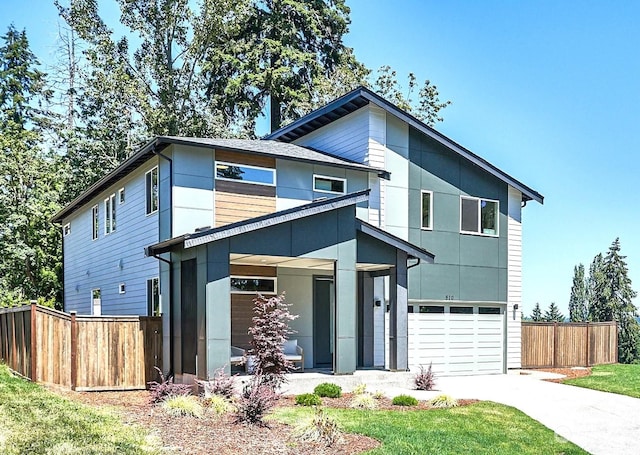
point(467, 267)
point(90, 264)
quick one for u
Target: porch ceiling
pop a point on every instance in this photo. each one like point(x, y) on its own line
point(296, 262)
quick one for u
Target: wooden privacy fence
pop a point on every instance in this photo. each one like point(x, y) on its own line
point(552, 344)
point(81, 352)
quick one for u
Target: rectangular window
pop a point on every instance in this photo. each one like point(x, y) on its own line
point(431, 309)
point(66, 229)
point(427, 210)
point(122, 288)
point(252, 285)
point(329, 184)
point(110, 214)
point(96, 302)
point(461, 310)
point(489, 310)
point(151, 186)
point(153, 297)
point(478, 216)
point(245, 173)
point(94, 222)
point(121, 196)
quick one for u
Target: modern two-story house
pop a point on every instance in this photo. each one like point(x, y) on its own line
point(395, 245)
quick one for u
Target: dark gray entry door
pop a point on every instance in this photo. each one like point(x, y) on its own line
point(188, 314)
point(323, 322)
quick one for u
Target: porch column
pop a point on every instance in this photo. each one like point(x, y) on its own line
point(398, 322)
point(346, 349)
point(218, 307)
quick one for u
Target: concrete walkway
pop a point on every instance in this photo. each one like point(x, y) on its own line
point(599, 422)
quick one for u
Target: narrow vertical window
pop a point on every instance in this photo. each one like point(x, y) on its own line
point(94, 222)
point(96, 302)
point(151, 184)
point(427, 210)
point(153, 297)
point(66, 229)
point(121, 196)
point(110, 214)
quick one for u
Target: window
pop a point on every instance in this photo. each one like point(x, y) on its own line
point(478, 216)
point(96, 302)
point(121, 196)
point(329, 184)
point(151, 183)
point(110, 214)
point(251, 285)
point(94, 222)
point(245, 173)
point(153, 297)
point(427, 210)
point(461, 310)
point(489, 310)
point(122, 288)
point(431, 309)
point(66, 229)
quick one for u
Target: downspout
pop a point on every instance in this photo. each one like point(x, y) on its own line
point(168, 261)
point(413, 265)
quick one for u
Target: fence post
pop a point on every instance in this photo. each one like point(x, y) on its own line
point(34, 344)
point(74, 350)
point(588, 349)
point(555, 344)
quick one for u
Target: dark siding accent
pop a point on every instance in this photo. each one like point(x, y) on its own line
point(245, 158)
point(248, 189)
point(188, 314)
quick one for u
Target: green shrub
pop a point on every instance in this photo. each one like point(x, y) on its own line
point(183, 405)
point(321, 428)
point(364, 401)
point(218, 404)
point(404, 400)
point(308, 399)
point(326, 389)
point(443, 401)
point(360, 389)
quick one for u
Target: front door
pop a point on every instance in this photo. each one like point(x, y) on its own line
point(188, 314)
point(323, 321)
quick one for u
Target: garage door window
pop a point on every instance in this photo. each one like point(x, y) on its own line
point(431, 309)
point(461, 310)
point(489, 310)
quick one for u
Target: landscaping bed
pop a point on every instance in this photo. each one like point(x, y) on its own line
point(569, 373)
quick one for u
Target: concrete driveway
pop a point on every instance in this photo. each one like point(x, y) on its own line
point(599, 422)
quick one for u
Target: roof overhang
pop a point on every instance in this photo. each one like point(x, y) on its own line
point(362, 96)
point(412, 250)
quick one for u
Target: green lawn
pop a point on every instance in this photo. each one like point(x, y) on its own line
point(618, 378)
point(479, 428)
point(34, 420)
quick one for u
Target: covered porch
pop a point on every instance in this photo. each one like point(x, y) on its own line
point(331, 266)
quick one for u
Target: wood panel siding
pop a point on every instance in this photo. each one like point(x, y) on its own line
point(233, 207)
point(241, 319)
point(247, 189)
point(253, 270)
point(81, 352)
point(550, 345)
point(246, 158)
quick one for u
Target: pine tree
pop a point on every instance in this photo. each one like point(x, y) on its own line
point(536, 316)
point(578, 300)
point(553, 314)
point(598, 309)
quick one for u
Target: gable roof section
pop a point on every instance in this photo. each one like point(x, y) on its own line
point(274, 149)
point(283, 216)
point(362, 96)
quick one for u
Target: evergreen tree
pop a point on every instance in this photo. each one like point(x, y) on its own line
point(536, 316)
point(29, 184)
point(578, 300)
point(553, 314)
point(598, 308)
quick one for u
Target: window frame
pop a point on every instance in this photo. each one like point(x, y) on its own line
point(95, 222)
point(328, 177)
point(150, 302)
point(479, 202)
point(149, 196)
point(66, 229)
point(430, 193)
point(225, 179)
point(243, 277)
point(122, 288)
point(121, 196)
point(93, 299)
point(110, 214)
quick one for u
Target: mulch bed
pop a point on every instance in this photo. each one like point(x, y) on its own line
point(569, 373)
point(189, 435)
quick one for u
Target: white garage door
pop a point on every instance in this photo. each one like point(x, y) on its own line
point(456, 339)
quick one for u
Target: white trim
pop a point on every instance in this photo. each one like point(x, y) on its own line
point(122, 288)
point(121, 196)
point(422, 193)
point(66, 229)
point(226, 163)
point(95, 222)
point(328, 177)
point(93, 302)
point(147, 191)
point(479, 199)
point(109, 213)
point(244, 277)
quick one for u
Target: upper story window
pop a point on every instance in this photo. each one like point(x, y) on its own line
point(245, 173)
point(66, 229)
point(94, 222)
point(110, 214)
point(326, 184)
point(151, 188)
point(427, 210)
point(478, 216)
point(121, 196)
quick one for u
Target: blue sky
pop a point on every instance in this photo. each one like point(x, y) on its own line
point(548, 91)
